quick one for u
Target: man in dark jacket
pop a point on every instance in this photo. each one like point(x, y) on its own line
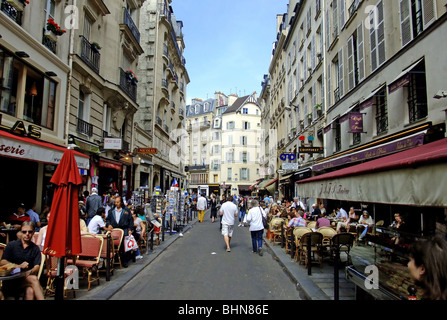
point(93, 203)
point(120, 217)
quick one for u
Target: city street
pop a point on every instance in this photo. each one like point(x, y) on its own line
point(197, 267)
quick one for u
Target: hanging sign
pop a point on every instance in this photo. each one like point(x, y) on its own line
point(356, 122)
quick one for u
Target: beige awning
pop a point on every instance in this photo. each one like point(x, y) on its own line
point(414, 177)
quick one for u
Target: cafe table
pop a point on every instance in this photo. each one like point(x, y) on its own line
point(8, 232)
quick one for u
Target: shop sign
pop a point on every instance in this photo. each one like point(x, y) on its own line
point(112, 143)
point(328, 189)
point(147, 150)
point(290, 166)
point(20, 129)
point(311, 150)
point(356, 122)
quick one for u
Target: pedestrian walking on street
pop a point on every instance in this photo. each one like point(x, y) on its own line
point(254, 219)
point(228, 212)
point(202, 205)
point(213, 207)
point(92, 204)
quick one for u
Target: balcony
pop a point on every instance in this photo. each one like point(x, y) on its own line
point(49, 42)
point(84, 127)
point(131, 25)
point(90, 55)
point(128, 85)
point(12, 11)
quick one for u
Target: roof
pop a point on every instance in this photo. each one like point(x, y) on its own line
point(430, 153)
point(240, 102)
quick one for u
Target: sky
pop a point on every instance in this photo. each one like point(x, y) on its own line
point(228, 44)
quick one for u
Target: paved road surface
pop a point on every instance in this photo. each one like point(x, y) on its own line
point(197, 267)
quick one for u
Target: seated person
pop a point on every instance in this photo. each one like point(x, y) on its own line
point(97, 224)
point(16, 219)
point(26, 255)
point(298, 220)
point(366, 222)
point(399, 225)
point(323, 221)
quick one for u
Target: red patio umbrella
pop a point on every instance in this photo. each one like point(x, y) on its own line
point(63, 236)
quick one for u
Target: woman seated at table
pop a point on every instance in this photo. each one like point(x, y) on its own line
point(366, 222)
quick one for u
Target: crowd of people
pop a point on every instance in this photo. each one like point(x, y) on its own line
point(427, 262)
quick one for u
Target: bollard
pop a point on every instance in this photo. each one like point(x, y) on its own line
point(336, 272)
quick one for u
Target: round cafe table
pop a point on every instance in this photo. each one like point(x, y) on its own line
point(13, 276)
point(9, 233)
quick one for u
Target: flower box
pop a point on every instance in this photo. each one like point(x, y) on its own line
point(51, 35)
point(95, 47)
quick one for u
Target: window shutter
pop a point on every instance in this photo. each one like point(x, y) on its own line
point(429, 12)
point(313, 53)
point(328, 32)
point(340, 72)
point(373, 40)
point(381, 34)
point(342, 14)
point(360, 52)
point(329, 86)
point(351, 67)
point(314, 100)
point(406, 26)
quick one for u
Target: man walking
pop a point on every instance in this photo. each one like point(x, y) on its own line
point(202, 205)
point(93, 203)
point(228, 212)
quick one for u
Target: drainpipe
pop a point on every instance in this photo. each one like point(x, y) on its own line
point(69, 78)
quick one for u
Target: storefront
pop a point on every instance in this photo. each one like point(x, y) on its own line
point(412, 183)
point(27, 167)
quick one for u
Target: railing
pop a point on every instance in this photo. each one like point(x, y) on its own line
point(131, 25)
point(84, 127)
point(128, 86)
point(48, 42)
point(89, 55)
point(12, 12)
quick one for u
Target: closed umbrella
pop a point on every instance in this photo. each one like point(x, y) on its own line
point(63, 236)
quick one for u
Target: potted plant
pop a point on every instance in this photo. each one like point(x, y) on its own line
point(19, 5)
point(309, 116)
point(53, 30)
point(131, 76)
point(95, 47)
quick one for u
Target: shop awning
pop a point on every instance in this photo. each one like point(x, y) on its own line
point(413, 177)
point(266, 183)
point(35, 150)
point(244, 187)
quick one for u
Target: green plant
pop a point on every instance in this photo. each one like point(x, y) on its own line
point(54, 27)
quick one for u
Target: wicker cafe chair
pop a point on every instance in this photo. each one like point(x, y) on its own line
point(289, 240)
point(142, 244)
point(312, 224)
point(2, 249)
point(327, 233)
point(88, 259)
point(117, 236)
point(316, 244)
point(275, 230)
point(298, 232)
point(344, 242)
point(51, 273)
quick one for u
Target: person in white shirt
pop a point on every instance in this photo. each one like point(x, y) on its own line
point(228, 212)
point(97, 224)
point(202, 205)
point(254, 218)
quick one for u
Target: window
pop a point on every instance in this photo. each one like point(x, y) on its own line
point(39, 95)
point(230, 125)
point(417, 94)
point(337, 135)
point(381, 112)
point(87, 28)
point(244, 157)
point(377, 36)
point(415, 16)
point(8, 83)
point(244, 174)
point(244, 140)
point(246, 125)
point(229, 174)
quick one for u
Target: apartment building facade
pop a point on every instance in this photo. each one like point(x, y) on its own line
point(34, 69)
point(358, 76)
point(103, 92)
point(162, 94)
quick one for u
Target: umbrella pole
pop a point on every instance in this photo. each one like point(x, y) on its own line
point(59, 290)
